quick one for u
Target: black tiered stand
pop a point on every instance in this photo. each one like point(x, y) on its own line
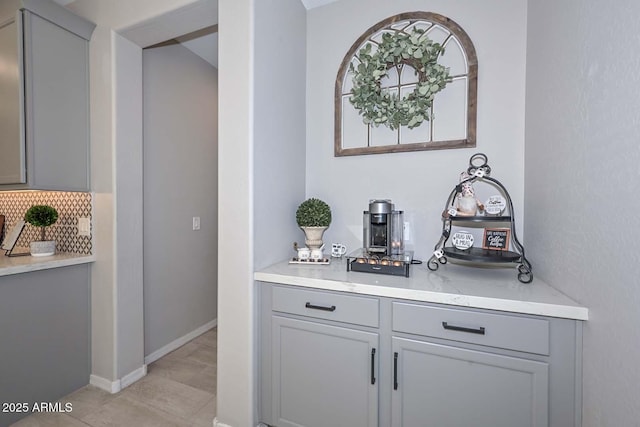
point(479, 171)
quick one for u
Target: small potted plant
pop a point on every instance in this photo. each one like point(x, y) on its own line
point(313, 217)
point(42, 216)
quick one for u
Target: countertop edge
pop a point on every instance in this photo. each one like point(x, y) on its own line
point(499, 304)
point(28, 264)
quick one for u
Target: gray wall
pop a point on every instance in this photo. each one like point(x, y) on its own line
point(582, 158)
point(417, 182)
point(180, 115)
point(280, 126)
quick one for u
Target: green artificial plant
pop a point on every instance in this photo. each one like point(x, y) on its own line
point(313, 213)
point(41, 216)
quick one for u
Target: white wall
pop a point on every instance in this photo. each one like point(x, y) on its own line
point(120, 15)
point(582, 158)
point(235, 398)
point(103, 334)
point(128, 207)
point(261, 134)
point(180, 93)
point(116, 140)
point(420, 182)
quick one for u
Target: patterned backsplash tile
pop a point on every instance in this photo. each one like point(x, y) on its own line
point(70, 206)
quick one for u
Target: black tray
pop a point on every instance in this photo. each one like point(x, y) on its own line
point(483, 255)
point(356, 264)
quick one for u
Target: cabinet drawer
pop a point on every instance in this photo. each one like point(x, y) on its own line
point(323, 305)
point(494, 330)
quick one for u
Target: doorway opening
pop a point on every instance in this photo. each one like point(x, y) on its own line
point(180, 190)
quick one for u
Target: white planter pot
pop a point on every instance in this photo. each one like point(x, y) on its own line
point(313, 236)
point(43, 248)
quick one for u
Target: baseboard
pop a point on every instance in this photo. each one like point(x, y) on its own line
point(128, 379)
point(217, 423)
point(174, 345)
point(116, 386)
point(104, 384)
point(132, 377)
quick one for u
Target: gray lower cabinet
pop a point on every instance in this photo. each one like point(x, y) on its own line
point(45, 324)
point(322, 375)
point(443, 386)
point(319, 358)
point(45, 127)
point(339, 359)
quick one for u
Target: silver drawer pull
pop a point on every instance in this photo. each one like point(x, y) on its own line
point(479, 331)
point(320, 307)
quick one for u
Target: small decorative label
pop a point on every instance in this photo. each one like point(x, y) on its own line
point(438, 254)
point(462, 240)
point(495, 205)
point(496, 239)
point(452, 211)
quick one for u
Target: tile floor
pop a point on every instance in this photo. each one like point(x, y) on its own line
point(179, 390)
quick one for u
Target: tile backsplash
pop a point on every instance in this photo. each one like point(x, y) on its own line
point(70, 206)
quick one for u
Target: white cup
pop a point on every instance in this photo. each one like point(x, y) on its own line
point(303, 253)
point(316, 253)
point(338, 249)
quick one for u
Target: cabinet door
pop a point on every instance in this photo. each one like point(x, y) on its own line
point(443, 386)
point(322, 375)
point(12, 160)
point(57, 106)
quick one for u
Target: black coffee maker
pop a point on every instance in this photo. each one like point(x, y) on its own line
point(382, 229)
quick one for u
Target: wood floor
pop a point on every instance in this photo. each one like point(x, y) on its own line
point(179, 390)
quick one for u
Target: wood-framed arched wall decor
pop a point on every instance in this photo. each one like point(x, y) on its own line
point(451, 119)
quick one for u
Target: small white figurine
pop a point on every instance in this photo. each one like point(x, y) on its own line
point(467, 203)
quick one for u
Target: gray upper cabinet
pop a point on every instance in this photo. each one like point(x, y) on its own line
point(46, 128)
point(12, 160)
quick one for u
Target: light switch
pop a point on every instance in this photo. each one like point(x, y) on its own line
point(196, 223)
point(406, 231)
point(84, 226)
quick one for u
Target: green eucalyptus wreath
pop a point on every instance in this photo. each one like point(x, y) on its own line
point(380, 106)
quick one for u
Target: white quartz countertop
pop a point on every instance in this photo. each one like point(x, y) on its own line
point(25, 264)
point(488, 288)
